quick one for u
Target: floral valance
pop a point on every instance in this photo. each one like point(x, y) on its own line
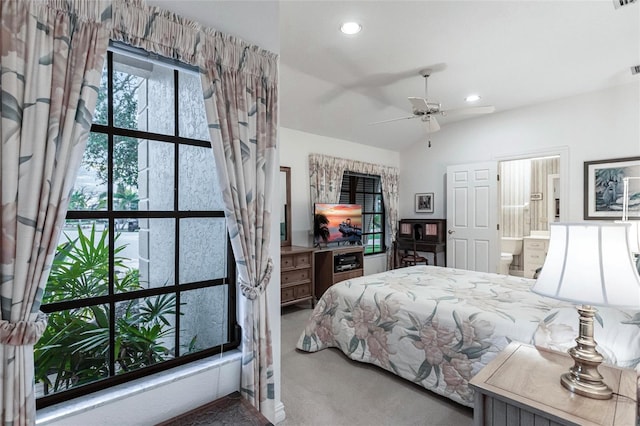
point(172, 36)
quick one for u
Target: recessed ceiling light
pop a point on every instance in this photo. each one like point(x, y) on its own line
point(351, 28)
point(472, 98)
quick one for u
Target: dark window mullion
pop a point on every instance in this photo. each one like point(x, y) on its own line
point(142, 134)
point(121, 297)
point(112, 224)
point(176, 208)
point(143, 214)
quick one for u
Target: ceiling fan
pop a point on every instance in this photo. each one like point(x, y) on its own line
point(426, 110)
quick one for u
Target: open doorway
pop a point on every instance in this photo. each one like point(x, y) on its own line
point(529, 199)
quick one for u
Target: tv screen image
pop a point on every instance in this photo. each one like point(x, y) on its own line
point(337, 224)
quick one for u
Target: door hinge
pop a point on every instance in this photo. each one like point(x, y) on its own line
point(498, 177)
point(498, 226)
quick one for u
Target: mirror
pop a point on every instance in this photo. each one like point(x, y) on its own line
point(285, 206)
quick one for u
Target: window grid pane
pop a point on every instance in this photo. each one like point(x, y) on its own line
point(367, 192)
point(144, 208)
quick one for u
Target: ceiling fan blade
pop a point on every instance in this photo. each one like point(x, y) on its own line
point(431, 124)
point(488, 109)
point(418, 104)
point(395, 119)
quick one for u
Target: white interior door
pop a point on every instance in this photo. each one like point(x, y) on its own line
point(472, 217)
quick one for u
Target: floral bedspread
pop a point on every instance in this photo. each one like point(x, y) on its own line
point(439, 326)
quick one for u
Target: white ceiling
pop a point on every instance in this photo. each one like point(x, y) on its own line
point(513, 53)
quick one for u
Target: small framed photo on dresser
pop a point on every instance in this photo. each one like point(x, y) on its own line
point(424, 202)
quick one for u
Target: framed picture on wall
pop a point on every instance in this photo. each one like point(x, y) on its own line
point(604, 188)
point(424, 202)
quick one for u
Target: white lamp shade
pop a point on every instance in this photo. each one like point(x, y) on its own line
point(590, 263)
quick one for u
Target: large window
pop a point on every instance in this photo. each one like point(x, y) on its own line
point(143, 277)
point(367, 191)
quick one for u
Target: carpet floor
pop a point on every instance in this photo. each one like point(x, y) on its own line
point(327, 388)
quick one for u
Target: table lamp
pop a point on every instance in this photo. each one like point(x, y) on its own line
point(589, 264)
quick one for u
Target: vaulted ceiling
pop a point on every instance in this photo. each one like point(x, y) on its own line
point(512, 53)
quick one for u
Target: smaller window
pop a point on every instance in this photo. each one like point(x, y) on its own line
point(366, 190)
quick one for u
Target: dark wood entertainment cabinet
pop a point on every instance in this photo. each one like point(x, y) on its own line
point(429, 236)
point(329, 269)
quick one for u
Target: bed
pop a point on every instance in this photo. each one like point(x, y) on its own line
point(438, 326)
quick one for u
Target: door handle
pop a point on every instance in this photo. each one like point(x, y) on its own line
point(450, 231)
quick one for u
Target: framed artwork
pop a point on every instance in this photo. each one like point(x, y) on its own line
point(604, 188)
point(424, 202)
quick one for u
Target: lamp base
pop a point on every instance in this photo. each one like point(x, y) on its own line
point(584, 378)
point(590, 390)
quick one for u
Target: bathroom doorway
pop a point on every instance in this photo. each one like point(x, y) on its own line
point(529, 199)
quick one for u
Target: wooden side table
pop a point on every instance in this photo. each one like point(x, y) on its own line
point(521, 386)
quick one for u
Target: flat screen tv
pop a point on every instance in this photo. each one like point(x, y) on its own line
point(337, 224)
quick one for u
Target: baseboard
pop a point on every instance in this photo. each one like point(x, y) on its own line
point(279, 413)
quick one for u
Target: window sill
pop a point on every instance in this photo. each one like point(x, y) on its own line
point(58, 412)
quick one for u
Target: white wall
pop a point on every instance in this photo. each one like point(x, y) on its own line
point(172, 393)
point(295, 147)
point(593, 126)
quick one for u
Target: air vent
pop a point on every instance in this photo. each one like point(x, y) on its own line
point(619, 3)
point(635, 69)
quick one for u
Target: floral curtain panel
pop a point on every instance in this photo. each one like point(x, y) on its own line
point(51, 60)
point(241, 97)
point(241, 110)
point(325, 180)
point(325, 177)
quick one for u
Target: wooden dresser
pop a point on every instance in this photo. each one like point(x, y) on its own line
point(296, 275)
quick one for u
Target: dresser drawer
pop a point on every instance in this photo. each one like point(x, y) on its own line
point(535, 256)
point(302, 260)
point(287, 262)
point(298, 275)
point(347, 275)
point(295, 292)
point(302, 290)
point(295, 261)
point(287, 294)
point(535, 244)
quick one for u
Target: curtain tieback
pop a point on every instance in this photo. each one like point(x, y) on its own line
point(22, 332)
point(250, 291)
